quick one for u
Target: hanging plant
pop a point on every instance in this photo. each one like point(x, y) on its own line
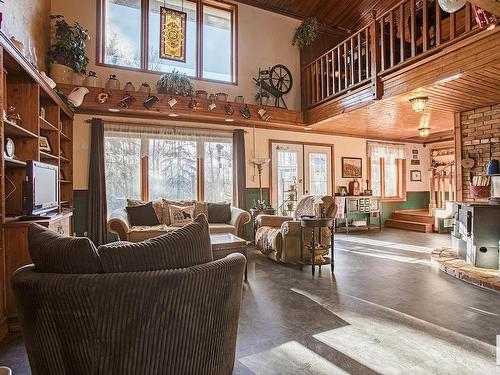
point(306, 33)
point(175, 83)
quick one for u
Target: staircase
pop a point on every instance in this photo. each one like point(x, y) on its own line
point(414, 220)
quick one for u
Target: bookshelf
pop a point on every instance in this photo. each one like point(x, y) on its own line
point(23, 87)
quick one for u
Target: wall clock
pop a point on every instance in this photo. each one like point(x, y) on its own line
point(9, 148)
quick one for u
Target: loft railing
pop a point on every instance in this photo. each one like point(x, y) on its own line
point(394, 39)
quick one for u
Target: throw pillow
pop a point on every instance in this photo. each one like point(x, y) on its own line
point(180, 215)
point(181, 248)
point(219, 212)
point(143, 215)
point(157, 205)
point(199, 208)
point(55, 253)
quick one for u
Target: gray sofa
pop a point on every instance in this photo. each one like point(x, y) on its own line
point(97, 316)
point(119, 223)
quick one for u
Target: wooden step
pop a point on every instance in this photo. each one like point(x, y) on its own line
point(412, 217)
point(409, 225)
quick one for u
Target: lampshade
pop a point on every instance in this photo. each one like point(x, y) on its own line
point(451, 6)
point(260, 161)
point(424, 132)
point(419, 104)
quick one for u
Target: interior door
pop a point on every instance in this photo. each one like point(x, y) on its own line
point(287, 170)
point(317, 170)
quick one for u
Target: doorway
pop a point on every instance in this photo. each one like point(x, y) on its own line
point(299, 169)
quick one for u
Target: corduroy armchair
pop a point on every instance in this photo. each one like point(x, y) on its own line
point(180, 321)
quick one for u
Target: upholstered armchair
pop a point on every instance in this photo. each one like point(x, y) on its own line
point(278, 237)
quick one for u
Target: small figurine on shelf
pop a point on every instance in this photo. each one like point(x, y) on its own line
point(13, 116)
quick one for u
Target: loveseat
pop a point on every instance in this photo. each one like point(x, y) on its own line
point(161, 306)
point(119, 222)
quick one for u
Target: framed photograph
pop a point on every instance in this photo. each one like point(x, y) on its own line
point(352, 167)
point(415, 162)
point(415, 156)
point(415, 175)
point(343, 190)
point(45, 144)
point(414, 152)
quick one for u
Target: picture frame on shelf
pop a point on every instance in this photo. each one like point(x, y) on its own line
point(343, 191)
point(44, 144)
point(415, 175)
point(352, 167)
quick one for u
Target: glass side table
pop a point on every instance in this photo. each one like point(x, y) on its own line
point(317, 249)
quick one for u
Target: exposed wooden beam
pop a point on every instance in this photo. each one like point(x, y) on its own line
point(492, 6)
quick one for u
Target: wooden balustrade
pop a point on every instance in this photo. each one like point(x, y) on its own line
point(395, 39)
point(442, 181)
point(338, 70)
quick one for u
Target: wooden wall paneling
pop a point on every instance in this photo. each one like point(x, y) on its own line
point(467, 17)
point(452, 25)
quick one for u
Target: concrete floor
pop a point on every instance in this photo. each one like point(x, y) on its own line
point(386, 311)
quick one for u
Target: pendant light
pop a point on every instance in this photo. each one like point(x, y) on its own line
point(451, 6)
point(419, 104)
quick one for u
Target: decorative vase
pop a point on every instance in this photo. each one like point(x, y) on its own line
point(129, 87)
point(145, 88)
point(76, 96)
point(61, 73)
point(113, 83)
point(92, 80)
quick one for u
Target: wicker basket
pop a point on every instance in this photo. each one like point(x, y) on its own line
point(480, 191)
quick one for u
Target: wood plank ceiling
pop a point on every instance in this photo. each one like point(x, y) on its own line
point(394, 119)
point(345, 14)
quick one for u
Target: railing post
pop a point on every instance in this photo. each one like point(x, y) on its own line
point(432, 190)
point(375, 60)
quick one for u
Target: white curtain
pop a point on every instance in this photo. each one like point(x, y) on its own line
point(389, 151)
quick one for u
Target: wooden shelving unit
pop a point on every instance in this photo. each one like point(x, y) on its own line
point(23, 87)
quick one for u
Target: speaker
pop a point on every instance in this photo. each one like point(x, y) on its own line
point(27, 198)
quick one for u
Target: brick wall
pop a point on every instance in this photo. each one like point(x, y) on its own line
point(478, 128)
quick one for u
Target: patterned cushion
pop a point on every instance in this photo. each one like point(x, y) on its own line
point(141, 233)
point(268, 240)
point(180, 215)
point(184, 247)
point(54, 253)
point(157, 206)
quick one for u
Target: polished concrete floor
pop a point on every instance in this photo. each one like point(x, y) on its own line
point(386, 310)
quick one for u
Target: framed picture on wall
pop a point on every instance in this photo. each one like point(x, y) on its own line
point(352, 167)
point(414, 152)
point(415, 162)
point(415, 175)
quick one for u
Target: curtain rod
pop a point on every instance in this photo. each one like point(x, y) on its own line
point(89, 121)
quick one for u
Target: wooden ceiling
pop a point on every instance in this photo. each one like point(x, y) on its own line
point(344, 14)
point(394, 119)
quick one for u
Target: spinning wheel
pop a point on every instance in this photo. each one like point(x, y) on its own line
point(281, 79)
point(277, 81)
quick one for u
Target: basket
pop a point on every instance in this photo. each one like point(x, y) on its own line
point(480, 191)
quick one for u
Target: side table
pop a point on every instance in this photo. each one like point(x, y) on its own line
point(313, 223)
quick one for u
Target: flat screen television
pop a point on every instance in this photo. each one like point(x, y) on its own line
point(41, 188)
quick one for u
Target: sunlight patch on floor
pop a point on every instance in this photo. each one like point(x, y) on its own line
point(392, 342)
point(394, 245)
point(383, 254)
point(292, 356)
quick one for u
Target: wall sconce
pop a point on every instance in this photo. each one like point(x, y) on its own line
point(419, 104)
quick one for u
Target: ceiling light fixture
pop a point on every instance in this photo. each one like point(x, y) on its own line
point(451, 6)
point(419, 104)
point(424, 132)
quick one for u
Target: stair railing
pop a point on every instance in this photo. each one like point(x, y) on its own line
point(442, 180)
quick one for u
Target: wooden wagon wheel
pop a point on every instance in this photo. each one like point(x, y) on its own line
point(281, 79)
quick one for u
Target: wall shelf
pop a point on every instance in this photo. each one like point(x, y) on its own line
point(14, 163)
point(45, 125)
point(47, 156)
point(14, 130)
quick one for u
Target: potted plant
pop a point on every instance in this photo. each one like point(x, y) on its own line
point(306, 33)
point(175, 83)
point(67, 53)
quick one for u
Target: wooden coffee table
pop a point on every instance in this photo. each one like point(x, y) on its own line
point(224, 244)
